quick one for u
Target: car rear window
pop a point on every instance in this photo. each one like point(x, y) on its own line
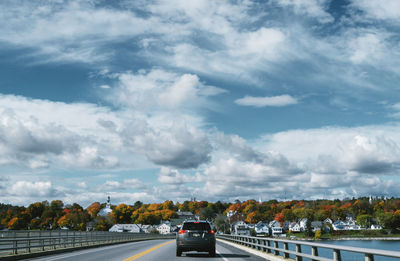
point(196, 226)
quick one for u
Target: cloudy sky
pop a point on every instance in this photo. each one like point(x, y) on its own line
point(218, 100)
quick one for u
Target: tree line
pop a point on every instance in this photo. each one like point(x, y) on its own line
point(56, 215)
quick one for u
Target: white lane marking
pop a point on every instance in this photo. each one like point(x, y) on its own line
point(224, 258)
point(85, 252)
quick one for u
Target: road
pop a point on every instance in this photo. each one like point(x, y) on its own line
point(152, 250)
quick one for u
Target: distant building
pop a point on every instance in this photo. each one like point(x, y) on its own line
point(164, 228)
point(129, 228)
point(105, 211)
point(186, 215)
point(240, 228)
point(262, 229)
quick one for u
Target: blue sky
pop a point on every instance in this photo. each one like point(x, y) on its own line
point(156, 100)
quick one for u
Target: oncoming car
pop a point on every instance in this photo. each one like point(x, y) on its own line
point(195, 236)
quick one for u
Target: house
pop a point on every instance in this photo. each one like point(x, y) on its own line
point(303, 224)
point(186, 215)
point(294, 227)
point(316, 225)
point(261, 229)
point(240, 228)
point(164, 228)
point(130, 228)
point(276, 228)
point(376, 226)
point(339, 225)
point(147, 228)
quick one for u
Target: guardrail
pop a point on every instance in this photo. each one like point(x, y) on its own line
point(26, 242)
point(294, 248)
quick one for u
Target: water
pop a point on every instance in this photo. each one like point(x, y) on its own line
point(349, 256)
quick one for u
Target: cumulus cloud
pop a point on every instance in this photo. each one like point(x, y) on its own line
point(274, 101)
point(311, 8)
point(178, 145)
point(26, 188)
point(383, 10)
point(37, 137)
point(127, 184)
point(161, 90)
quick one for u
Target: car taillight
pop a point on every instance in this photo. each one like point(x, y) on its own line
point(181, 232)
point(211, 232)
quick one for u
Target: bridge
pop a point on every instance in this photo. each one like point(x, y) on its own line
point(70, 245)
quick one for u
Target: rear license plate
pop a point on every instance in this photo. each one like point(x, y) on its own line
point(195, 235)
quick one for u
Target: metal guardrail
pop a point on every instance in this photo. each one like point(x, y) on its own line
point(271, 245)
point(25, 242)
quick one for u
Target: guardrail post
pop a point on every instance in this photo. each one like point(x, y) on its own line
point(285, 247)
point(298, 250)
point(264, 249)
point(314, 252)
point(29, 242)
point(276, 252)
point(336, 255)
point(15, 247)
point(369, 257)
point(73, 239)
point(269, 245)
point(41, 240)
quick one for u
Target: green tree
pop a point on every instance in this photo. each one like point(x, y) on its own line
point(221, 223)
point(364, 220)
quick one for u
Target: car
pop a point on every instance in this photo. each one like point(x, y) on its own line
point(195, 236)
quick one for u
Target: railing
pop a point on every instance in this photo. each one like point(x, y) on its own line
point(294, 248)
point(25, 242)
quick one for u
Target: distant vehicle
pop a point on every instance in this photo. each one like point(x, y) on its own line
point(195, 236)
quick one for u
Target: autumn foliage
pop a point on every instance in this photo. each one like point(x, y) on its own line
point(56, 215)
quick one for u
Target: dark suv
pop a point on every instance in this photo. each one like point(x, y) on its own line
point(195, 236)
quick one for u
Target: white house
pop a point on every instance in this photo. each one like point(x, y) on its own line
point(376, 226)
point(164, 228)
point(261, 229)
point(240, 228)
point(294, 227)
point(276, 228)
point(303, 224)
point(131, 228)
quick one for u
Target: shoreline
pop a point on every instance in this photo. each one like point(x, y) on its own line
point(349, 239)
point(364, 238)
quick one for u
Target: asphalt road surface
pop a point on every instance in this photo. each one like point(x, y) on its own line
point(152, 250)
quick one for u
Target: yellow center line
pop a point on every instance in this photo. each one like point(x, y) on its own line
point(147, 251)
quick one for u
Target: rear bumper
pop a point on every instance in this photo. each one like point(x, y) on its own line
point(204, 245)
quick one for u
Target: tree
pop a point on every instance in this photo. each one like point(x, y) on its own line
point(93, 209)
point(364, 220)
point(221, 223)
point(308, 231)
point(122, 214)
point(207, 213)
point(16, 223)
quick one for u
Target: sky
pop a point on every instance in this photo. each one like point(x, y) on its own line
point(219, 100)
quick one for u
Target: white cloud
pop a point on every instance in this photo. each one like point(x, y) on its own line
point(26, 188)
point(162, 90)
point(382, 9)
point(311, 8)
point(174, 177)
point(275, 101)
